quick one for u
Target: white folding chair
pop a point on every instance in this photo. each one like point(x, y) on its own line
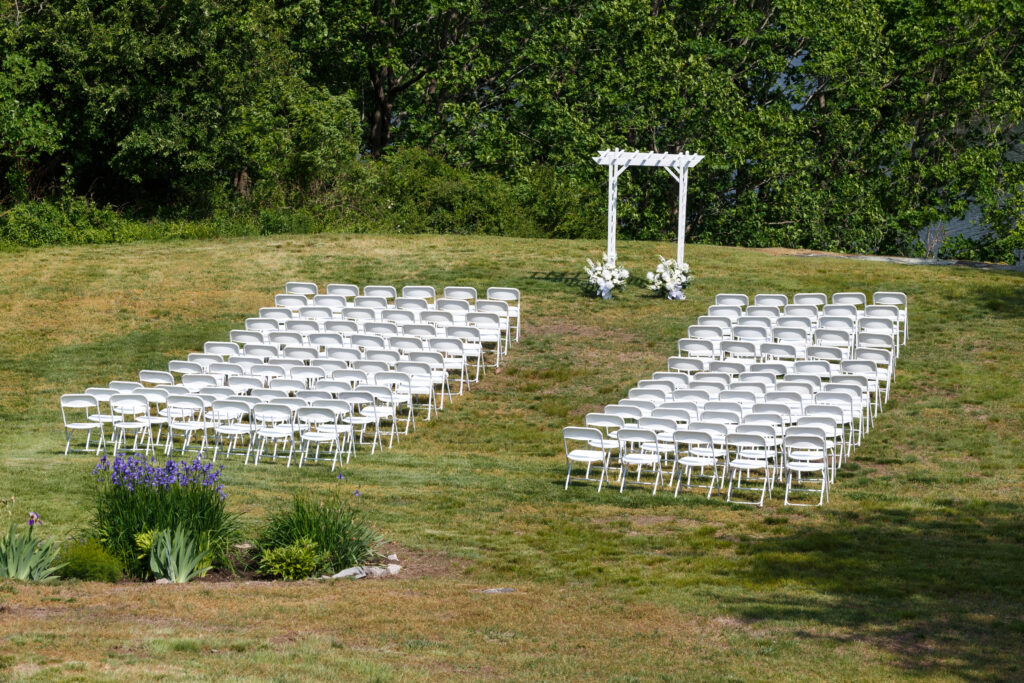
point(585, 445)
point(806, 455)
point(77, 411)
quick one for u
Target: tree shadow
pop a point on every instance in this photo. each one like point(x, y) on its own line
point(940, 589)
point(1003, 300)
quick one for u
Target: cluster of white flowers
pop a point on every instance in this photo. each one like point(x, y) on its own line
point(606, 275)
point(670, 279)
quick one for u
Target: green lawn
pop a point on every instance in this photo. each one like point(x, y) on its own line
point(912, 571)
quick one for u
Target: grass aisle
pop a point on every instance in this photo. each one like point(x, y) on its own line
point(912, 571)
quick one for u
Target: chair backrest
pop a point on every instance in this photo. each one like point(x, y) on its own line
point(262, 351)
point(590, 435)
point(246, 336)
point(381, 328)
point(315, 416)
point(677, 379)
point(334, 302)
point(244, 383)
point(763, 311)
point(272, 413)
point(375, 302)
point(704, 332)
point(311, 395)
point(282, 338)
point(326, 339)
point(302, 326)
point(121, 386)
point(735, 349)
point(389, 356)
point(340, 407)
point(156, 377)
point(809, 311)
point(316, 313)
point(343, 327)
point(425, 292)
point(345, 290)
point(510, 295)
point(464, 293)
point(421, 330)
point(807, 444)
point(740, 300)
point(690, 437)
point(261, 325)
point(399, 316)
point(292, 301)
point(334, 386)
point(779, 300)
point(812, 298)
point(304, 288)
point(368, 341)
point(881, 357)
point(410, 303)
point(717, 430)
point(685, 365)
point(276, 313)
point(751, 442)
point(185, 406)
point(384, 291)
point(852, 298)
point(438, 318)
point(195, 381)
point(897, 299)
point(828, 354)
point(344, 353)
point(129, 405)
point(604, 421)
point(652, 393)
point(839, 310)
point(184, 367)
point(406, 344)
point(632, 437)
point(498, 308)
point(876, 340)
point(452, 305)
point(631, 412)
point(696, 348)
point(729, 312)
point(752, 334)
point(221, 348)
point(360, 313)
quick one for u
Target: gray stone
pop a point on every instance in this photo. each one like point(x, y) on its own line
point(499, 590)
point(375, 572)
point(394, 569)
point(392, 558)
point(163, 580)
point(350, 573)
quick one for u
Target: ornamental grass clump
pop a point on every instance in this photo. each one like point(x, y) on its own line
point(138, 498)
point(25, 558)
point(330, 527)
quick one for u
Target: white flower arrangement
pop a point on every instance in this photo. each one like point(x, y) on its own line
point(606, 276)
point(669, 279)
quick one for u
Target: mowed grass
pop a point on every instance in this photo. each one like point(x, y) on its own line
point(912, 571)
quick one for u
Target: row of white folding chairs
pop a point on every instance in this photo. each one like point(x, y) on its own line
point(450, 353)
point(385, 335)
point(746, 449)
point(825, 344)
point(489, 324)
point(193, 414)
point(311, 291)
point(880, 320)
point(819, 300)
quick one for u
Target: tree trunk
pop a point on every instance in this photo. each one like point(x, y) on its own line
point(383, 103)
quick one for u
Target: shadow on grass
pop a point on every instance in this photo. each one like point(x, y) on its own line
point(1004, 300)
point(940, 589)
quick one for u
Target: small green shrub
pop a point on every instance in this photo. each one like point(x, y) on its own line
point(987, 249)
point(88, 560)
point(69, 221)
point(341, 537)
point(25, 558)
point(178, 557)
point(292, 562)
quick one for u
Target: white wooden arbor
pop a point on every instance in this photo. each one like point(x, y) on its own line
point(677, 165)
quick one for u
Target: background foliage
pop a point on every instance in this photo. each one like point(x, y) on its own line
point(843, 125)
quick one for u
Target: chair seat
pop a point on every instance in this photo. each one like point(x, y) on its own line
point(743, 464)
point(806, 466)
point(84, 425)
point(232, 429)
point(640, 459)
point(276, 432)
point(698, 461)
point(585, 455)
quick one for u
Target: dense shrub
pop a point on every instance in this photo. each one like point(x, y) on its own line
point(136, 496)
point(341, 538)
point(73, 221)
point(88, 560)
point(989, 249)
point(292, 562)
